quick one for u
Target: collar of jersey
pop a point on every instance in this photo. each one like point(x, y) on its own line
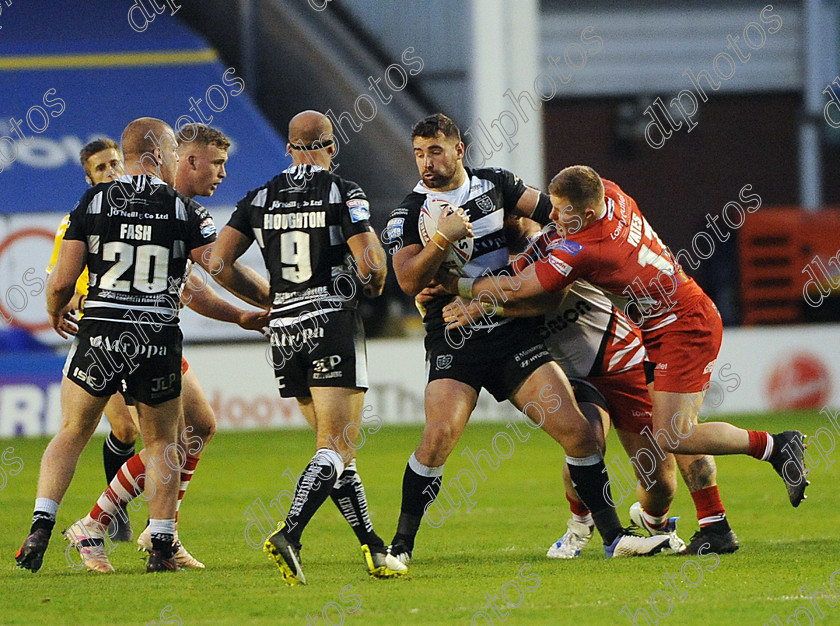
point(457, 196)
point(314, 168)
point(128, 178)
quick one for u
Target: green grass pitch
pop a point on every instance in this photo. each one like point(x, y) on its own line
point(495, 549)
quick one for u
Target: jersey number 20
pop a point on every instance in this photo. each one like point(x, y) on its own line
point(151, 267)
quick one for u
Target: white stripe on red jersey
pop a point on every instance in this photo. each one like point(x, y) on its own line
point(588, 336)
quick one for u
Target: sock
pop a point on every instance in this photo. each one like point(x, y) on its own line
point(421, 485)
point(761, 444)
point(655, 520)
point(44, 515)
point(580, 513)
point(186, 476)
point(114, 454)
point(349, 496)
point(709, 507)
point(590, 479)
point(314, 487)
point(124, 487)
point(163, 535)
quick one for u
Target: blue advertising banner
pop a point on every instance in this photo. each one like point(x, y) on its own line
point(89, 73)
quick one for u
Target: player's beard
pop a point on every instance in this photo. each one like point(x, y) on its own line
point(437, 179)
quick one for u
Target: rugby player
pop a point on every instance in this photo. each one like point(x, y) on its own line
point(120, 231)
point(201, 168)
point(605, 239)
point(102, 163)
point(312, 228)
point(602, 354)
point(505, 357)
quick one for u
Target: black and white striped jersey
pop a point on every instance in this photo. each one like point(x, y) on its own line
point(139, 233)
point(485, 196)
point(301, 220)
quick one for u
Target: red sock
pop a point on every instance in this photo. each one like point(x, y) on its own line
point(125, 486)
point(761, 444)
point(655, 519)
point(186, 476)
point(577, 507)
point(709, 507)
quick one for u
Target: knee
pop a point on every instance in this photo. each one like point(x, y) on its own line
point(203, 422)
point(78, 432)
point(125, 431)
point(438, 441)
point(578, 438)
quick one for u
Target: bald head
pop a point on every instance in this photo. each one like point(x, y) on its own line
point(149, 147)
point(310, 127)
point(143, 135)
point(311, 139)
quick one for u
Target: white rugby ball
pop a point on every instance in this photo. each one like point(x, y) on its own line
point(458, 254)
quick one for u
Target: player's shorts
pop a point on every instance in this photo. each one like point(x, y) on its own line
point(499, 360)
point(328, 353)
point(685, 350)
point(141, 362)
point(626, 395)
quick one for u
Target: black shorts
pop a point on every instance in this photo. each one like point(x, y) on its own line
point(139, 360)
point(326, 351)
point(499, 360)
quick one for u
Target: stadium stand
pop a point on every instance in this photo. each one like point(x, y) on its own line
point(88, 79)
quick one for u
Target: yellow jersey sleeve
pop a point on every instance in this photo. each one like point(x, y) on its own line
point(83, 280)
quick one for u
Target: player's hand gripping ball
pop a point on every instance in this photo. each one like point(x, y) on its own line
point(460, 252)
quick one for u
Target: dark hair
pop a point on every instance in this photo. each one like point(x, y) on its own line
point(430, 126)
point(203, 134)
point(97, 145)
point(579, 184)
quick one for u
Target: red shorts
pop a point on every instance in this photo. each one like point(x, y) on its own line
point(184, 366)
point(685, 350)
point(627, 395)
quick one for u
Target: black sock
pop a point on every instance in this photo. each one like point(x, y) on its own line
point(349, 497)
point(163, 543)
point(114, 454)
point(313, 489)
point(592, 483)
point(43, 520)
point(418, 492)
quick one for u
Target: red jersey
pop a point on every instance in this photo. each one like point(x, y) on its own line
point(621, 253)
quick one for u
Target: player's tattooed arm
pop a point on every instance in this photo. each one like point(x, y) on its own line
point(240, 280)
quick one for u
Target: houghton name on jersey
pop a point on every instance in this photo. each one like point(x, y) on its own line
point(301, 220)
point(139, 233)
point(483, 196)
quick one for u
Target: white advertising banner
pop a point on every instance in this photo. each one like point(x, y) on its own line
point(759, 370)
point(240, 385)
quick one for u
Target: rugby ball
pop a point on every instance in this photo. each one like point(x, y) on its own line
point(458, 254)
